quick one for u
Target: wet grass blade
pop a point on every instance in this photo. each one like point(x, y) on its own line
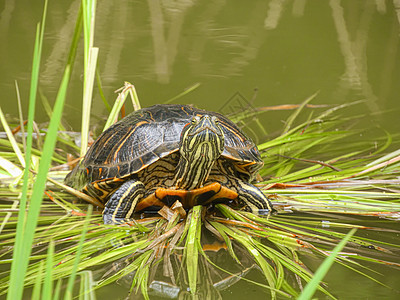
point(295, 114)
point(125, 271)
point(142, 276)
point(192, 247)
point(228, 242)
point(127, 89)
point(11, 138)
point(87, 284)
point(101, 93)
point(266, 268)
point(71, 280)
point(21, 117)
point(186, 91)
point(323, 269)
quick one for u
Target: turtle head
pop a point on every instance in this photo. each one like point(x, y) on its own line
point(202, 137)
point(201, 144)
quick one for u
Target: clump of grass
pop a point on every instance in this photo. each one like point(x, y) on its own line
point(272, 242)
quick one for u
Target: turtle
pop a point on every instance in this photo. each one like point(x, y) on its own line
point(169, 152)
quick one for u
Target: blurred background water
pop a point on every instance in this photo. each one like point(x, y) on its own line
point(269, 52)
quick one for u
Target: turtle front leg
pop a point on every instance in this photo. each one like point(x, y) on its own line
point(251, 197)
point(122, 203)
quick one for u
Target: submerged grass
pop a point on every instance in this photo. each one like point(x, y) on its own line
point(70, 245)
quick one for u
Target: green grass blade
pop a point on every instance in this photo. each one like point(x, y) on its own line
point(18, 266)
point(26, 233)
point(101, 93)
point(227, 240)
point(21, 117)
point(295, 114)
point(71, 280)
point(127, 89)
point(11, 138)
point(8, 166)
point(191, 249)
point(323, 269)
point(57, 290)
point(186, 91)
point(90, 61)
point(48, 279)
point(143, 277)
point(38, 283)
point(49, 110)
point(134, 97)
point(87, 98)
point(86, 291)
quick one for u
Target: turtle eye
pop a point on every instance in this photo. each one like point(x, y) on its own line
point(215, 119)
point(195, 120)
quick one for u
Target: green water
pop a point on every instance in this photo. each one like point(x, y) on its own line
point(261, 52)
point(288, 50)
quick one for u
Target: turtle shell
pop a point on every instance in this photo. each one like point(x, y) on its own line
point(146, 135)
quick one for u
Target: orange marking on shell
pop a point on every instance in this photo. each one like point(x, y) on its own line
point(127, 136)
point(118, 168)
point(105, 143)
point(234, 131)
point(141, 160)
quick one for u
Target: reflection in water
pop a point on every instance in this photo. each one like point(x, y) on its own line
point(255, 36)
point(380, 6)
point(54, 63)
point(5, 18)
point(351, 74)
point(166, 47)
point(354, 53)
point(274, 14)
point(159, 41)
point(116, 36)
point(343, 48)
point(204, 27)
point(298, 8)
point(389, 63)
